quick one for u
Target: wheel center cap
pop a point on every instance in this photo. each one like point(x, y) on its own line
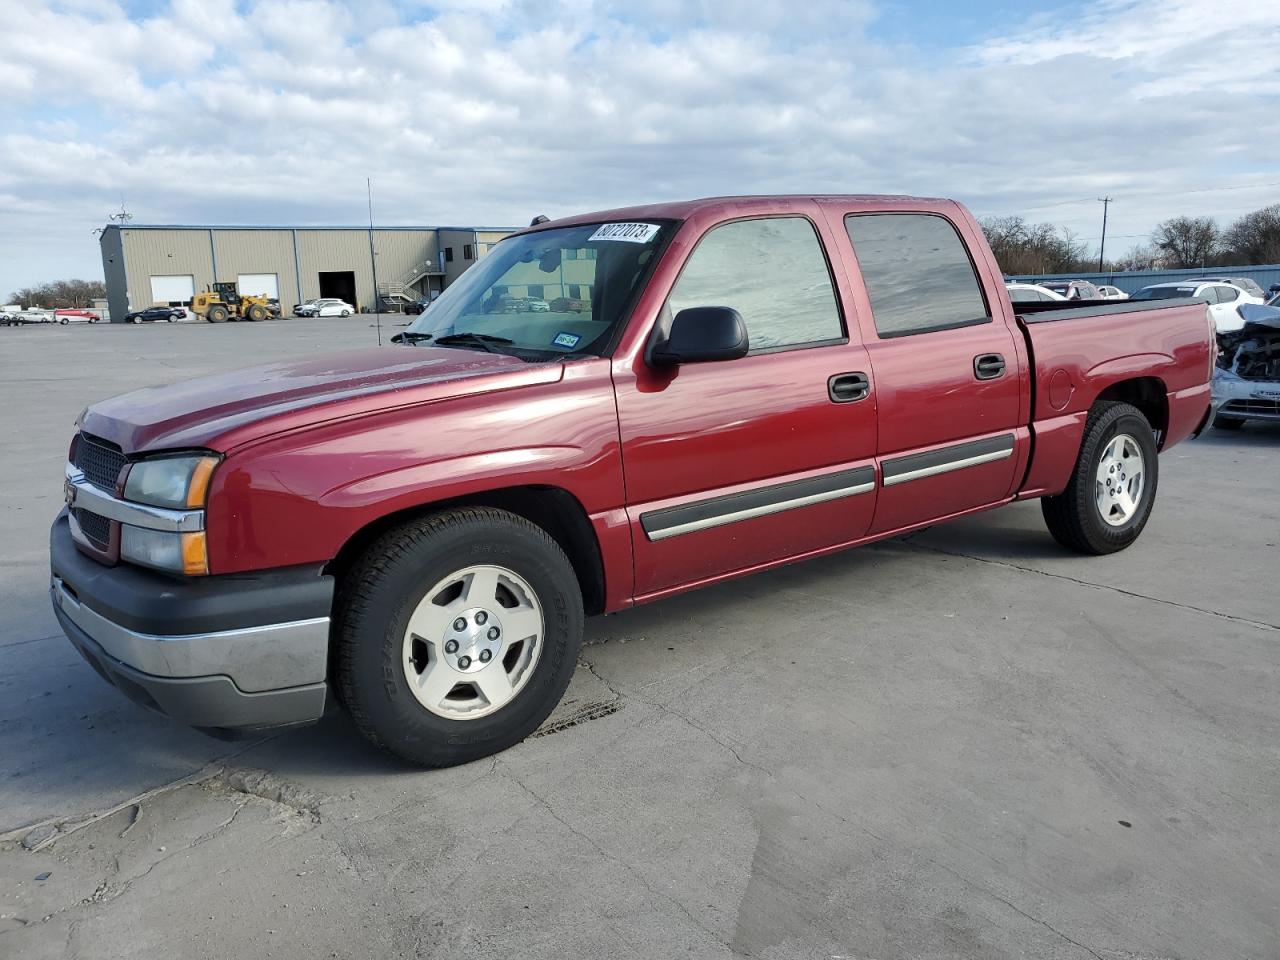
point(473, 640)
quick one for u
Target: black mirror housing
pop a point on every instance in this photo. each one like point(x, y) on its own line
point(703, 334)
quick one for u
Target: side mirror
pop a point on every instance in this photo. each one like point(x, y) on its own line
point(398, 338)
point(701, 334)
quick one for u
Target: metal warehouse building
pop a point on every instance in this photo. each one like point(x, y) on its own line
point(154, 265)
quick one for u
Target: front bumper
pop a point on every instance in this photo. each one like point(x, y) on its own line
point(1243, 399)
point(232, 654)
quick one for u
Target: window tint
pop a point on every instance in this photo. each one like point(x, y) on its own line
point(917, 273)
point(772, 272)
point(1227, 294)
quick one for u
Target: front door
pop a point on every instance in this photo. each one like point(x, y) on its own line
point(734, 464)
point(947, 368)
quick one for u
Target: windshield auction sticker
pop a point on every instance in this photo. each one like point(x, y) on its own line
point(630, 232)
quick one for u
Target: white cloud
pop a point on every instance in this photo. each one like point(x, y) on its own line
point(492, 110)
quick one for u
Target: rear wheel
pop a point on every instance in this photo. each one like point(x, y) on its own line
point(456, 635)
point(1113, 486)
point(1227, 423)
point(345, 313)
point(217, 314)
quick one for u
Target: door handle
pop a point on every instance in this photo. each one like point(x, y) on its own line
point(988, 366)
point(848, 387)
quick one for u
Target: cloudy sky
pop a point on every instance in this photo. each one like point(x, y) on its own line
point(490, 111)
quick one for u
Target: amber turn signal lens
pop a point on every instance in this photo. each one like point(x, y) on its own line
point(198, 490)
point(195, 554)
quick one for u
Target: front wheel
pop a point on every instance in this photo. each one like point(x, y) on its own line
point(456, 635)
point(1113, 487)
point(346, 313)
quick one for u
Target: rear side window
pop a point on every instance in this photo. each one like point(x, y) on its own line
point(917, 273)
point(1227, 294)
point(771, 271)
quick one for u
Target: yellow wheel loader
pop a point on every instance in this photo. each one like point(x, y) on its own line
point(222, 302)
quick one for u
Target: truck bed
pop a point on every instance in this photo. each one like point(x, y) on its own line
point(1160, 349)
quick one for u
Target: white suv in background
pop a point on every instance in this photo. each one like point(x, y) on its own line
point(1030, 293)
point(1112, 293)
point(1223, 299)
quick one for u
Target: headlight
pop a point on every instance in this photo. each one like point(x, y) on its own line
point(174, 482)
point(184, 553)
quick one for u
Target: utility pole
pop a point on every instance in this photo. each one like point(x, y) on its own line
point(373, 262)
point(1102, 248)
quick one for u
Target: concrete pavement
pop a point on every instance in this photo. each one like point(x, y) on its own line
point(964, 743)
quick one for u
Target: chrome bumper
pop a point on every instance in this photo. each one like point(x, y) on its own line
point(254, 658)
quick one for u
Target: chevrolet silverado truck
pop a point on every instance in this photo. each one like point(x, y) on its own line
point(719, 387)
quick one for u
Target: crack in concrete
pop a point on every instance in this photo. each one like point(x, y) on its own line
point(611, 857)
point(1261, 624)
point(973, 885)
point(106, 891)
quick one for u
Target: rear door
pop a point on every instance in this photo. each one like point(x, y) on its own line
point(731, 465)
point(949, 369)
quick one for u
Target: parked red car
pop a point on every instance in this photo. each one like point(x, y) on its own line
point(421, 529)
point(75, 315)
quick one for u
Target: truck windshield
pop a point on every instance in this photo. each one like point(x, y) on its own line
point(546, 294)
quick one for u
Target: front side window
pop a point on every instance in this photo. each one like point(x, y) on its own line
point(773, 272)
point(917, 273)
point(530, 299)
point(1227, 294)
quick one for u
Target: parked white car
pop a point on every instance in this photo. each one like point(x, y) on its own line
point(1247, 284)
point(1224, 299)
point(1112, 293)
point(1031, 293)
point(326, 307)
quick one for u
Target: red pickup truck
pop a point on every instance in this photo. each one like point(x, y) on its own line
point(420, 529)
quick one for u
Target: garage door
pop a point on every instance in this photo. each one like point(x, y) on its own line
point(173, 290)
point(258, 285)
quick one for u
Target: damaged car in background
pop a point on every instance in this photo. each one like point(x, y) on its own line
point(1246, 383)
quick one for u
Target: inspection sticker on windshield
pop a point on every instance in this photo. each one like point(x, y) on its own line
point(630, 232)
point(569, 340)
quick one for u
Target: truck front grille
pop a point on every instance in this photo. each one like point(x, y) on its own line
point(95, 527)
point(100, 461)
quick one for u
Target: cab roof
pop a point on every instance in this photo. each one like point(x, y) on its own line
point(744, 205)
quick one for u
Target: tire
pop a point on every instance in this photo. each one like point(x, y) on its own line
point(256, 312)
point(137, 320)
point(170, 319)
point(63, 320)
point(391, 583)
point(1227, 423)
point(1074, 517)
point(345, 313)
point(217, 314)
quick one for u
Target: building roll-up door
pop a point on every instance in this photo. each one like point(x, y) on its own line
point(259, 285)
point(172, 291)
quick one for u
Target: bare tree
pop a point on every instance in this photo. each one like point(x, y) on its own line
point(1144, 256)
point(1031, 248)
point(1188, 241)
point(60, 293)
point(1255, 237)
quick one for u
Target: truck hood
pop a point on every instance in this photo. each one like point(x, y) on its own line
point(226, 410)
